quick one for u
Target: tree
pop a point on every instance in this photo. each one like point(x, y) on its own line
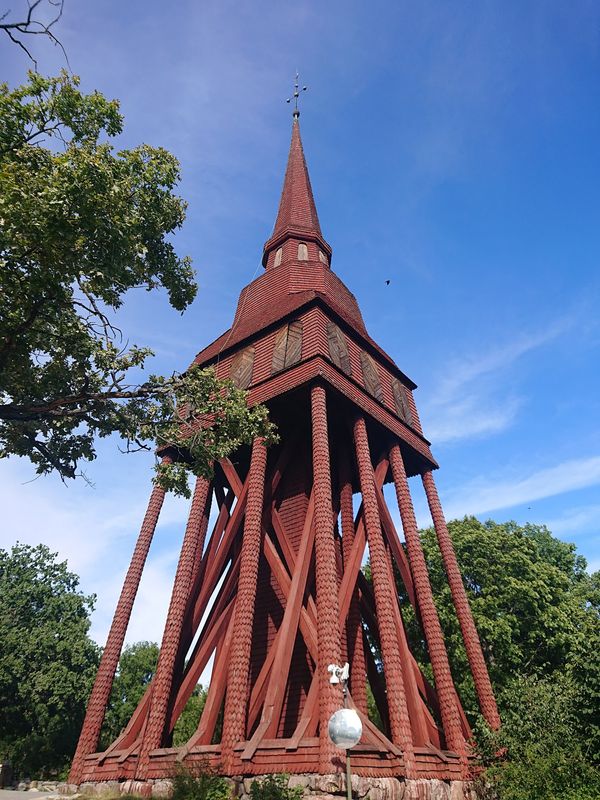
point(186, 725)
point(537, 611)
point(539, 752)
point(530, 596)
point(80, 225)
point(47, 660)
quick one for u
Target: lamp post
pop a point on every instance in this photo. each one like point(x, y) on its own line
point(345, 727)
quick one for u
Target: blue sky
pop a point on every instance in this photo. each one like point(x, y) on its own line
point(453, 149)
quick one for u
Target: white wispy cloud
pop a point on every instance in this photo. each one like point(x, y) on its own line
point(574, 520)
point(469, 417)
point(471, 399)
point(95, 532)
point(490, 494)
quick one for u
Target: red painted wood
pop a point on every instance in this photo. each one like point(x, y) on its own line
point(234, 719)
point(431, 624)
point(289, 585)
point(92, 725)
point(477, 663)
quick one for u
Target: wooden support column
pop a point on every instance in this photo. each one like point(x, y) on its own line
point(385, 595)
point(92, 724)
point(326, 579)
point(431, 624)
point(234, 720)
point(354, 632)
point(163, 679)
point(481, 678)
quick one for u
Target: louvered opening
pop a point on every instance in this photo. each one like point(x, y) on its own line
point(338, 349)
point(288, 346)
point(401, 401)
point(371, 376)
point(241, 368)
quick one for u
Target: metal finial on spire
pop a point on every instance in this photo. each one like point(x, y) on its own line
point(296, 95)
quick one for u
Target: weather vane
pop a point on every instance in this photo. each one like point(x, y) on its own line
point(296, 95)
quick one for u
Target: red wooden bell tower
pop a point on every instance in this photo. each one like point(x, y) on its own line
point(276, 593)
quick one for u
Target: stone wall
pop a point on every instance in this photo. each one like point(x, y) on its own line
point(315, 787)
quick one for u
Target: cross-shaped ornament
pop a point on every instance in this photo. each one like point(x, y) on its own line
point(296, 95)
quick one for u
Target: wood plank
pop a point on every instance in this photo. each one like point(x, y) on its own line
point(414, 701)
point(395, 545)
point(307, 629)
point(232, 476)
point(352, 569)
point(290, 557)
point(309, 714)
point(195, 666)
point(401, 401)
point(338, 349)
point(216, 693)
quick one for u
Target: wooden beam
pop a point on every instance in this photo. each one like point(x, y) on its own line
point(214, 698)
point(286, 638)
point(196, 667)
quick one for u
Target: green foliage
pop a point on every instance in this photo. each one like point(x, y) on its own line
point(47, 660)
point(198, 781)
point(530, 597)
point(372, 709)
point(537, 611)
point(186, 725)
point(544, 754)
point(80, 225)
point(274, 787)
point(137, 665)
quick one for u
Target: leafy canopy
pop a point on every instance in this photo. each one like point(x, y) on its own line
point(541, 750)
point(537, 611)
point(530, 595)
point(137, 666)
point(80, 225)
point(47, 660)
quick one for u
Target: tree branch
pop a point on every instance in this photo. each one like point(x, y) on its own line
point(30, 26)
point(62, 407)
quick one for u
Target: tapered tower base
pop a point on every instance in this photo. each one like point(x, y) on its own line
point(270, 584)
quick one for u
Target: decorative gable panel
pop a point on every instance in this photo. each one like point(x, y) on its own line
point(338, 349)
point(288, 346)
point(241, 368)
point(371, 376)
point(401, 401)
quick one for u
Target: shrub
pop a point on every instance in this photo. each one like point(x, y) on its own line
point(274, 787)
point(198, 781)
point(538, 754)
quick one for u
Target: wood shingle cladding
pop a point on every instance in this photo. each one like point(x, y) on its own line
point(401, 401)
point(371, 376)
point(288, 346)
point(241, 368)
point(338, 349)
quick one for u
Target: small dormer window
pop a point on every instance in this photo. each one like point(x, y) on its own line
point(302, 252)
point(322, 257)
point(278, 257)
